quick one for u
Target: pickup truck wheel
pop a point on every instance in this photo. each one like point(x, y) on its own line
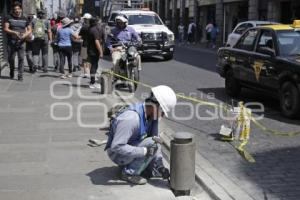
point(232, 85)
point(289, 100)
point(168, 56)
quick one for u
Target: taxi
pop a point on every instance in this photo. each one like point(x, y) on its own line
point(265, 58)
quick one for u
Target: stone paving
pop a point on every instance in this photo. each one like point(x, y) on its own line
point(43, 148)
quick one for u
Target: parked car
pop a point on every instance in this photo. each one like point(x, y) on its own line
point(265, 58)
point(241, 28)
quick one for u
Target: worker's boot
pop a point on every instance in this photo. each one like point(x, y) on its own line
point(134, 179)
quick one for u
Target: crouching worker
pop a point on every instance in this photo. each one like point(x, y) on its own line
point(130, 143)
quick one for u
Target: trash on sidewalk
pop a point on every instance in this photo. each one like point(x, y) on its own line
point(239, 118)
point(96, 143)
point(238, 127)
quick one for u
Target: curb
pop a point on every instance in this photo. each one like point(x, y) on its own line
point(214, 182)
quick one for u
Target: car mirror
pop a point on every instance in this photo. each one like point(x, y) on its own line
point(267, 51)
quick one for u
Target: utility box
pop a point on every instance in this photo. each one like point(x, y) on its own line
point(182, 164)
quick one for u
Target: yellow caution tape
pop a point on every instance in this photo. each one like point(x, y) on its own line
point(245, 131)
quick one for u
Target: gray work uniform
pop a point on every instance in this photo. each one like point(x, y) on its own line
point(126, 149)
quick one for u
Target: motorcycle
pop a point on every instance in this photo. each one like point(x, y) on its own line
point(128, 67)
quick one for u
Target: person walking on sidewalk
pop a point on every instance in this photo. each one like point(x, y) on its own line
point(29, 45)
point(208, 29)
point(76, 44)
point(42, 36)
point(130, 144)
point(84, 33)
point(64, 37)
point(191, 32)
point(214, 33)
point(54, 44)
point(95, 50)
point(181, 33)
point(17, 28)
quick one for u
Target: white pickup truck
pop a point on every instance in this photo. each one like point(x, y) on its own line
point(157, 39)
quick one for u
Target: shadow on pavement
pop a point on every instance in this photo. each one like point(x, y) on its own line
point(111, 176)
point(271, 104)
point(278, 176)
point(106, 176)
point(206, 60)
point(76, 85)
point(4, 77)
point(49, 76)
point(146, 59)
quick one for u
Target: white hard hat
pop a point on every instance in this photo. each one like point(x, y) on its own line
point(122, 18)
point(87, 16)
point(166, 97)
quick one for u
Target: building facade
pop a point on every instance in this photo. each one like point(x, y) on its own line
point(225, 13)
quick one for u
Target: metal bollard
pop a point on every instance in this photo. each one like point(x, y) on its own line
point(182, 164)
point(106, 82)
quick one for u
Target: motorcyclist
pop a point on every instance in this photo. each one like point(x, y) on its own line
point(121, 33)
point(130, 142)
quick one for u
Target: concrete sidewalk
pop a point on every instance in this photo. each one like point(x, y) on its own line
point(46, 158)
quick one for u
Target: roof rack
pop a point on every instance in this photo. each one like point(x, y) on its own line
point(111, 5)
point(128, 3)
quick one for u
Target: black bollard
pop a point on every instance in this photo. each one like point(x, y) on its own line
point(182, 164)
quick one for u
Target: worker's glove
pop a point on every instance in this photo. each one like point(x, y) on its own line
point(165, 174)
point(151, 151)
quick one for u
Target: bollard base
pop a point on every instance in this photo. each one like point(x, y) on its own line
point(181, 192)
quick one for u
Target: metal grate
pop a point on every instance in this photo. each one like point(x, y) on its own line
point(1, 42)
point(2, 47)
point(153, 37)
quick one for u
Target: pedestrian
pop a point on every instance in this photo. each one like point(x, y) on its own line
point(17, 28)
point(214, 33)
point(64, 38)
point(76, 44)
point(84, 33)
point(29, 45)
point(95, 50)
point(54, 44)
point(208, 29)
point(181, 33)
point(191, 32)
point(130, 144)
point(52, 22)
point(42, 37)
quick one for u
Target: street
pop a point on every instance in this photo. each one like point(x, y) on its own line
point(275, 174)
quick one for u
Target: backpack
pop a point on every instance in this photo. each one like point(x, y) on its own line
point(39, 29)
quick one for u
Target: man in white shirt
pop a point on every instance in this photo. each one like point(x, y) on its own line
point(181, 33)
point(208, 29)
point(191, 32)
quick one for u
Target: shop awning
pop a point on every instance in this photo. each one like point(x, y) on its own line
point(233, 1)
point(206, 2)
point(213, 2)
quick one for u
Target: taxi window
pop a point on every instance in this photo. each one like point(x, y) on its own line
point(265, 40)
point(247, 41)
point(242, 28)
point(288, 43)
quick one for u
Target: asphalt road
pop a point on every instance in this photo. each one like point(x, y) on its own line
point(275, 175)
